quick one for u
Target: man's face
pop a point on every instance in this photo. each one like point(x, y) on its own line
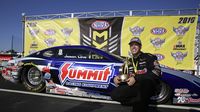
point(135, 48)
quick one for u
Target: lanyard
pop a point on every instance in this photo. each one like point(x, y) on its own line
point(134, 65)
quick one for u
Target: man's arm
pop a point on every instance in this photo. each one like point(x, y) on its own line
point(154, 65)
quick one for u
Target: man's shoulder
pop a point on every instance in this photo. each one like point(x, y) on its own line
point(149, 56)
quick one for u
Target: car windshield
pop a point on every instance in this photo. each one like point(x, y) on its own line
point(114, 55)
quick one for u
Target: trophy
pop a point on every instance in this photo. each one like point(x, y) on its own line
point(124, 75)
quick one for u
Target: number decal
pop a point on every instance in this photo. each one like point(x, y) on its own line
point(181, 99)
point(184, 20)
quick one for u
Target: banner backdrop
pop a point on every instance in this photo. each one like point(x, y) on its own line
point(170, 38)
point(43, 34)
point(102, 33)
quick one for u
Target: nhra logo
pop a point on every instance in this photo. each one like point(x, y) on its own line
point(66, 72)
point(158, 31)
point(100, 25)
point(50, 32)
point(160, 57)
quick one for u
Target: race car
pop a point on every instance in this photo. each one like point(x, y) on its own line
point(88, 72)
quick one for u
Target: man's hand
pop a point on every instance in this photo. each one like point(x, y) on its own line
point(130, 81)
point(117, 80)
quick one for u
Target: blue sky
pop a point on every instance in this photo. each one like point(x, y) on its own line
point(11, 10)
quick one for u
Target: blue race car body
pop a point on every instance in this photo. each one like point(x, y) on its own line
point(88, 72)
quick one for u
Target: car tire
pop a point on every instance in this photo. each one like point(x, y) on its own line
point(32, 79)
point(163, 94)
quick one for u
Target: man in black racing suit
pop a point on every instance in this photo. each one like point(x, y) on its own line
point(144, 75)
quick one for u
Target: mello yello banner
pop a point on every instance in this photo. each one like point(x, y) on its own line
point(104, 33)
point(170, 38)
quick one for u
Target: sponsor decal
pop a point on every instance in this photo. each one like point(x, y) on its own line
point(67, 31)
point(160, 57)
point(33, 32)
point(103, 34)
point(184, 96)
point(158, 31)
point(31, 24)
point(5, 58)
point(50, 32)
point(75, 91)
point(47, 76)
point(192, 100)
point(179, 46)
point(157, 42)
point(10, 73)
point(181, 99)
point(187, 100)
point(100, 25)
point(141, 71)
point(79, 74)
point(181, 90)
point(29, 64)
point(136, 31)
point(50, 41)
point(34, 44)
point(60, 90)
point(179, 56)
point(46, 69)
point(50, 84)
point(180, 31)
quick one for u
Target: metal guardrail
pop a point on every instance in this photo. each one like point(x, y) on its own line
point(114, 14)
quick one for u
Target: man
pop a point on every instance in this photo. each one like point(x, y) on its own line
point(144, 74)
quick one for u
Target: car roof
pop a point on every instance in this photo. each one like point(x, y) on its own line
point(105, 53)
point(74, 46)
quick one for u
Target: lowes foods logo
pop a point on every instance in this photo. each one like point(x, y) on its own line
point(158, 31)
point(100, 25)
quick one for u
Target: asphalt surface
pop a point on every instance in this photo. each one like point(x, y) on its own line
point(13, 98)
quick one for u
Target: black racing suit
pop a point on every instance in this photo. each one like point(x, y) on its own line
point(147, 77)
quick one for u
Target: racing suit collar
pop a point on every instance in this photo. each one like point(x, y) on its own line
point(137, 55)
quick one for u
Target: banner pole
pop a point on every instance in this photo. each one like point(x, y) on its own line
point(23, 31)
point(198, 41)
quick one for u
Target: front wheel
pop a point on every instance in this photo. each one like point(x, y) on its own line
point(33, 80)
